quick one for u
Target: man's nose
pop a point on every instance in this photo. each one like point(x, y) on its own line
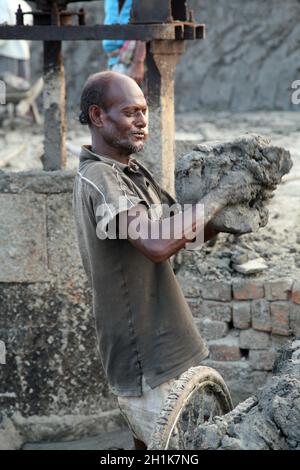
point(141, 120)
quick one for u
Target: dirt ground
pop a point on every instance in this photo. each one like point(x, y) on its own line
point(278, 243)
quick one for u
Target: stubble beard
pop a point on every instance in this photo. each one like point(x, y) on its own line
point(123, 144)
point(127, 146)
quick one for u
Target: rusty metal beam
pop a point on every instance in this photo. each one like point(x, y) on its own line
point(147, 32)
point(189, 31)
point(92, 33)
point(162, 58)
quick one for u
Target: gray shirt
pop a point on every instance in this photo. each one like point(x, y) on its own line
point(143, 322)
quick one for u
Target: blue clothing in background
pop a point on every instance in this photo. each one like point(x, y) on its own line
point(112, 16)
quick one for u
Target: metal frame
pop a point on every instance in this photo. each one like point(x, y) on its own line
point(173, 24)
point(145, 32)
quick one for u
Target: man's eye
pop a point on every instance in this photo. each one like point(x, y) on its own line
point(128, 114)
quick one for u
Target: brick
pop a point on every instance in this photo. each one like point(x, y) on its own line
point(296, 292)
point(295, 319)
point(225, 349)
point(211, 290)
point(195, 307)
point(211, 329)
point(241, 314)
point(262, 360)
point(279, 289)
point(252, 339)
point(278, 341)
point(280, 318)
point(188, 283)
point(261, 316)
point(219, 311)
point(247, 290)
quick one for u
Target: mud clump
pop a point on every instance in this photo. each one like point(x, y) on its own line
point(202, 170)
point(269, 420)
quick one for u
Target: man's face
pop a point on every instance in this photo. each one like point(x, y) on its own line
point(125, 121)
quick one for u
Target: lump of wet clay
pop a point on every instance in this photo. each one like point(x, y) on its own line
point(201, 171)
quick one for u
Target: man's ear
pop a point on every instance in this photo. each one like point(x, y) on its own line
point(96, 115)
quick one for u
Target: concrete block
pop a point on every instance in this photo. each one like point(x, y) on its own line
point(219, 311)
point(195, 307)
point(252, 266)
point(23, 249)
point(262, 360)
point(278, 289)
point(280, 318)
point(189, 284)
point(212, 329)
point(246, 290)
point(225, 349)
point(252, 339)
point(241, 314)
point(296, 292)
point(261, 316)
point(211, 290)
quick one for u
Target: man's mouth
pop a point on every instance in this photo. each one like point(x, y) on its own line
point(138, 135)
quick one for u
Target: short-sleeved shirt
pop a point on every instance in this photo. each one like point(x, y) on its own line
point(144, 325)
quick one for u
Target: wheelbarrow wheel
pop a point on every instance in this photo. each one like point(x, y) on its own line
point(196, 397)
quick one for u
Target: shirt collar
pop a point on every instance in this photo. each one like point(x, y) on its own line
point(87, 154)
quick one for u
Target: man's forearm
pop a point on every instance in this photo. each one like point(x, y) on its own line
point(186, 226)
point(140, 52)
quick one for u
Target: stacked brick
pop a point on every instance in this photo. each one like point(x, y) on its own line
point(244, 323)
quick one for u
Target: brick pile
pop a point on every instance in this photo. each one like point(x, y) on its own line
point(244, 322)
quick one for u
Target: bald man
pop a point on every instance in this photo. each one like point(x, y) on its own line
point(145, 329)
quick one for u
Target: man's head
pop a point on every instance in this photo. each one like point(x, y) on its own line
point(115, 109)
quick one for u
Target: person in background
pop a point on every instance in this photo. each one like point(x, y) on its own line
point(14, 54)
point(127, 57)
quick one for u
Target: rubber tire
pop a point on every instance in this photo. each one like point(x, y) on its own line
point(181, 390)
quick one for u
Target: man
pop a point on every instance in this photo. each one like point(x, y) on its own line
point(127, 57)
point(146, 333)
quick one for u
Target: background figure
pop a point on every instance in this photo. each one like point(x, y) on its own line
point(14, 54)
point(126, 57)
